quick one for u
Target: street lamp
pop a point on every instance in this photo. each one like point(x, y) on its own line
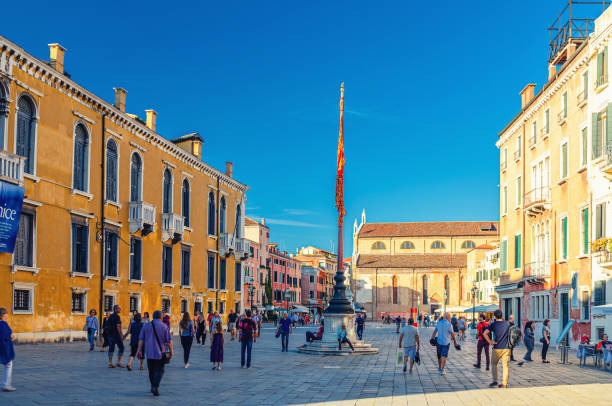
point(474, 291)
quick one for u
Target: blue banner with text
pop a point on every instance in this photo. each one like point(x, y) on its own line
point(11, 201)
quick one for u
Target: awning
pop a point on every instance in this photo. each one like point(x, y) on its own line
point(482, 309)
point(602, 310)
point(504, 288)
point(300, 309)
point(451, 310)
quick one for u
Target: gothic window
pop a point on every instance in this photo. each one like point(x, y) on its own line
point(112, 157)
point(80, 168)
point(136, 178)
point(26, 130)
point(186, 201)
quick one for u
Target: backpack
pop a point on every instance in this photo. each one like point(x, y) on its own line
point(247, 327)
point(514, 336)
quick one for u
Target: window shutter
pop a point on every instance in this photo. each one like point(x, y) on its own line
point(517, 249)
point(138, 256)
point(136, 174)
point(503, 256)
point(584, 146)
point(564, 225)
point(605, 64)
point(75, 247)
point(586, 231)
point(608, 128)
point(595, 138)
point(598, 221)
point(585, 84)
point(547, 121)
point(599, 67)
point(84, 248)
point(111, 173)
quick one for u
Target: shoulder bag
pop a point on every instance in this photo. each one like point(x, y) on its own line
point(165, 355)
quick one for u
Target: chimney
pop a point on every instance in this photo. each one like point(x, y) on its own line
point(56, 57)
point(151, 119)
point(552, 70)
point(120, 94)
point(229, 168)
point(527, 94)
point(191, 143)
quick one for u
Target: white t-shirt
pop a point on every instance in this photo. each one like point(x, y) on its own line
point(410, 332)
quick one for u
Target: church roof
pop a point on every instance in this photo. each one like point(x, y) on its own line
point(412, 261)
point(430, 229)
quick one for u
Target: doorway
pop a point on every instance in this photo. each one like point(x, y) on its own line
point(564, 312)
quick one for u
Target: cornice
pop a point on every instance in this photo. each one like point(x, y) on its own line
point(16, 57)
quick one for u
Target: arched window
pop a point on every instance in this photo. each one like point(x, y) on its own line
point(407, 245)
point(437, 245)
point(468, 245)
point(186, 201)
point(136, 178)
point(446, 289)
point(3, 115)
point(211, 213)
point(26, 130)
point(425, 294)
point(80, 168)
point(238, 221)
point(222, 210)
point(112, 158)
point(394, 289)
point(378, 245)
point(167, 192)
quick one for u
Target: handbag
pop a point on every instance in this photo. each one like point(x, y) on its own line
point(542, 340)
point(417, 358)
point(165, 355)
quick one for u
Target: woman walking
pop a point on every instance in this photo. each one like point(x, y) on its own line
point(529, 340)
point(216, 347)
point(200, 328)
point(7, 351)
point(545, 340)
point(186, 330)
point(134, 331)
point(91, 324)
point(105, 331)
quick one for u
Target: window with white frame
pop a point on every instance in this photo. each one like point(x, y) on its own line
point(504, 200)
point(564, 160)
point(112, 170)
point(546, 127)
point(563, 238)
point(534, 133)
point(197, 306)
point(23, 255)
point(165, 304)
point(134, 303)
point(80, 169)
point(584, 231)
point(111, 253)
point(585, 305)
point(184, 306)
point(600, 220)
point(519, 191)
point(23, 298)
point(109, 302)
point(79, 301)
point(210, 307)
point(540, 307)
point(80, 246)
point(584, 147)
point(563, 113)
point(222, 307)
point(25, 142)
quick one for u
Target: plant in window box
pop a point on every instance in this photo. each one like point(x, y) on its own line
point(600, 245)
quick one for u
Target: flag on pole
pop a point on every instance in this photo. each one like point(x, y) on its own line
point(340, 165)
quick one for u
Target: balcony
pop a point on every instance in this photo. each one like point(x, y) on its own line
point(606, 153)
point(537, 272)
point(537, 201)
point(172, 227)
point(604, 258)
point(227, 244)
point(544, 132)
point(11, 167)
point(602, 80)
point(242, 249)
point(517, 154)
point(142, 217)
point(532, 141)
point(581, 98)
point(562, 116)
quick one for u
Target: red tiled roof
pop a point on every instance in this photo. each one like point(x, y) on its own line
point(413, 261)
point(485, 247)
point(426, 229)
point(249, 222)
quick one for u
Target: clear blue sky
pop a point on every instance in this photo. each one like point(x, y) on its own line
point(428, 87)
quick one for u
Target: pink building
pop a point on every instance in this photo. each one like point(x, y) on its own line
point(286, 273)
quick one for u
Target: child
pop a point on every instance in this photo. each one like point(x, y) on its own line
point(216, 348)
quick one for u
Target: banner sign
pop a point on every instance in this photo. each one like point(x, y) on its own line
point(11, 201)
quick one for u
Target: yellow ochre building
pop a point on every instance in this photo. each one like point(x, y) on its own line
point(113, 212)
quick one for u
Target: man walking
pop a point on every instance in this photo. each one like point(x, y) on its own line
point(500, 330)
point(443, 334)
point(511, 321)
point(155, 337)
point(231, 323)
point(360, 322)
point(410, 338)
point(116, 337)
point(285, 325)
point(482, 343)
point(247, 337)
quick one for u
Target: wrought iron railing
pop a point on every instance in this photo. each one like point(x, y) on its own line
point(539, 194)
point(540, 268)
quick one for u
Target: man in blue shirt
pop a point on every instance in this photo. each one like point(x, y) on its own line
point(155, 338)
point(443, 334)
point(285, 326)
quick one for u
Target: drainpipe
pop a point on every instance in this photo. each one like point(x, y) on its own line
point(102, 217)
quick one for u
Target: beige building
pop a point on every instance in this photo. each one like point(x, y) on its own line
point(483, 274)
point(422, 265)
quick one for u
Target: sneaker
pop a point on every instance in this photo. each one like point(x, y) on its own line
point(404, 367)
point(410, 372)
point(187, 365)
point(443, 373)
point(493, 384)
point(520, 364)
point(8, 389)
point(477, 366)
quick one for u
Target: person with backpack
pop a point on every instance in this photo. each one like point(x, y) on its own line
point(511, 321)
point(247, 337)
point(155, 343)
point(482, 343)
point(502, 336)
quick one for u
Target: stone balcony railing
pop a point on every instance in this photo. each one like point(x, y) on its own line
point(227, 244)
point(142, 217)
point(11, 167)
point(242, 249)
point(172, 227)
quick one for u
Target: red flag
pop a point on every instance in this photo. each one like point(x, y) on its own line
point(340, 166)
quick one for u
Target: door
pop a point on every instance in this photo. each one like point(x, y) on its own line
point(517, 312)
point(564, 312)
point(507, 308)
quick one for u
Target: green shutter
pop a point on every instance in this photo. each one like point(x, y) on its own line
point(564, 157)
point(585, 232)
point(584, 146)
point(564, 227)
point(547, 121)
point(608, 128)
point(599, 67)
point(595, 140)
point(502, 264)
point(604, 72)
point(586, 85)
point(517, 251)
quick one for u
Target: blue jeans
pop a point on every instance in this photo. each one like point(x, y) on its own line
point(111, 347)
point(285, 341)
point(91, 336)
point(529, 345)
point(246, 345)
point(360, 332)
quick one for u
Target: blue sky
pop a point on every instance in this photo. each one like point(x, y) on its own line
point(428, 88)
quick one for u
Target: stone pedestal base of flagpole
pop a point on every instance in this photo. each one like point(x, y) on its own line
point(328, 345)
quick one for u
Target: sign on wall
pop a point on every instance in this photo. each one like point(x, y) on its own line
point(11, 201)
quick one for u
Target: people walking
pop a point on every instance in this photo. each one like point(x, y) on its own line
point(186, 330)
point(410, 338)
point(529, 340)
point(91, 324)
point(231, 323)
point(213, 323)
point(105, 331)
point(443, 333)
point(7, 351)
point(134, 329)
point(247, 337)
point(216, 347)
point(343, 338)
point(200, 328)
point(285, 328)
point(497, 335)
point(511, 321)
point(398, 322)
point(461, 324)
point(115, 337)
point(360, 322)
point(482, 344)
point(156, 342)
point(545, 340)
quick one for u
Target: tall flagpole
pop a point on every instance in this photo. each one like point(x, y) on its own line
point(339, 303)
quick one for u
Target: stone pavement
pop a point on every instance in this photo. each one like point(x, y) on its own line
point(67, 374)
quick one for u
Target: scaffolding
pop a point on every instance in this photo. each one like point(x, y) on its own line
point(572, 27)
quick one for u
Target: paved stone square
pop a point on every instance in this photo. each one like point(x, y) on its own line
point(67, 374)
